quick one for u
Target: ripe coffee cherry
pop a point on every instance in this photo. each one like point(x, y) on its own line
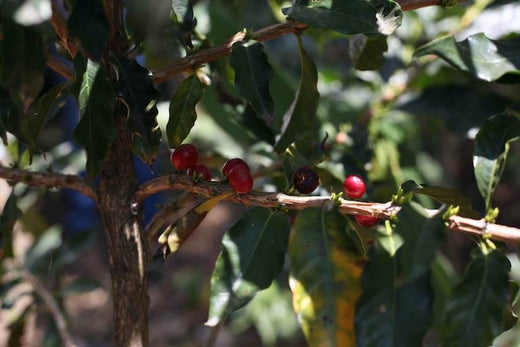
point(366, 221)
point(354, 186)
point(305, 180)
point(240, 179)
point(231, 164)
point(184, 157)
point(199, 172)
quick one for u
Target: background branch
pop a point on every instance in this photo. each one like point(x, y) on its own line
point(347, 207)
point(48, 180)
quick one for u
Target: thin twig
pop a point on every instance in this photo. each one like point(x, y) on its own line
point(54, 308)
point(61, 65)
point(347, 207)
point(48, 180)
point(59, 23)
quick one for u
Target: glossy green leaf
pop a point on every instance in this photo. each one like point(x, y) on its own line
point(256, 125)
point(182, 110)
point(349, 17)
point(324, 269)
point(445, 195)
point(299, 119)
point(43, 108)
point(491, 149)
point(253, 253)
point(397, 289)
point(89, 14)
point(473, 315)
point(367, 52)
point(95, 130)
point(253, 73)
point(135, 85)
point(24, 57)
point(10, 214)
point(481, 57)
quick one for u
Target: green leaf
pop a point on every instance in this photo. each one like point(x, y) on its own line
point(182, 110)
point(38, 256)
point(253, 73)
point(491, 149)
point(301, 115)
point(324, 269)
point(89, 14)
point(445, 195)
point(256, 125)
point(136, 87)
point(23, 58)
point(79, 286)
point(481, 57)
point(95, 131)
point(367, 52)
point(397, 290)
point(252, 256)
point(10, 118)
point(43, 108)
point(302, 152)
point(474, 312)
point(349, 17)
point(10, 214)
point(183, 10)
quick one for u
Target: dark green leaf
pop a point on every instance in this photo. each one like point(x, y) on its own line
point(252, 256)
point(448, 196)
point(253, 73)
point(89, 14)
point(182, 110)
point(367, 52)
point(135, 85)
point(300, 116)
point(257, 126)
point(483, 58)
point(10, 214)
point(23, 59)
point(325, 270)
point(10, 118)
point(95, 131)
point(349, 17)
point(38, 256)
point(474, 312)
point(43, 108)
point(79, 286)
point(491, 148)
point(397, 290)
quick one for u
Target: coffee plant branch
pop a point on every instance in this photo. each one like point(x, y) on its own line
point(279, 200)
point(205, 55)
point(48, 180)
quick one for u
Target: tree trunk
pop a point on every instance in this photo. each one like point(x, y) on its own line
point(126, 242)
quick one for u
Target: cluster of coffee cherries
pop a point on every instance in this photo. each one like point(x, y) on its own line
point(235, 170)
point(355, 187)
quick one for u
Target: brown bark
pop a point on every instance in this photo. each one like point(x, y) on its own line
point(126, 244)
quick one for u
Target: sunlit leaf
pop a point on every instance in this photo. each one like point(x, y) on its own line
point(349, 17)
point(325, 270)
point(474, 312)
point(491, 149)
point(252, 255)
point(483, 58)
point(182, 110)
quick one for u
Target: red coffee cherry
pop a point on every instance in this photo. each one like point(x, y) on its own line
point(199, 172)
point(305, 180)
point(231, 164)
point(366, 221)
point(240, 179)
point(354, 186)
point(184, 157)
